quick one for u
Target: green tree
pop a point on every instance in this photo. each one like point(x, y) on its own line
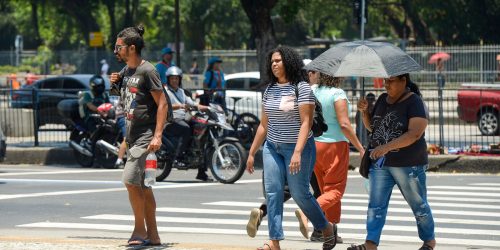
point(259, 14)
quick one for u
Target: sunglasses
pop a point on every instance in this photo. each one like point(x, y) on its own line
point(119, 47)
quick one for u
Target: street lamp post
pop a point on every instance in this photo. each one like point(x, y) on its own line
point(177, 35)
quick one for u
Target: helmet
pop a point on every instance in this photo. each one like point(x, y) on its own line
point(174, 71)
point(97, 85)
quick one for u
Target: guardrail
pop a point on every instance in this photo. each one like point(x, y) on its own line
point(28, 120)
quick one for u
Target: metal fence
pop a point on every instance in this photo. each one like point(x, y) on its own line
point(27, 125)
point(468, 64)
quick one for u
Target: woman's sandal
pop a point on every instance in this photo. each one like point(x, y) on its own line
point(426, 247)
point(265, 247)
point(331, 241)
point(357, 247)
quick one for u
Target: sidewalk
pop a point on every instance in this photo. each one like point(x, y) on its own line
point(62, 155)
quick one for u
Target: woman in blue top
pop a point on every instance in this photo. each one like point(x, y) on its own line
point(289, 152)
point(332, 147)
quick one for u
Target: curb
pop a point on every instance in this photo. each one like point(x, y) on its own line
point(437, 163)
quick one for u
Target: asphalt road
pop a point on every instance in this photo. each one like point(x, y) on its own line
point(68, 203)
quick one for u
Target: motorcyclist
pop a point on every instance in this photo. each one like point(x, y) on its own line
point(181, 102)
point(90, 100)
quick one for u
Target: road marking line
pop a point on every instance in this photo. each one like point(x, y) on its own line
point(398, 195)
point(362, 208)
point(433, 204)
point(64, 172)
point(448, 193)
point(103, 190)
point(61, 181)
point(294, 223)
point(199, 230)
point(465, 188)
point(485, 184)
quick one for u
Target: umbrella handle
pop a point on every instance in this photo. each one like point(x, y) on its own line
point(362, 87)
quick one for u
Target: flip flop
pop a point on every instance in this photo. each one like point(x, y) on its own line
point(138, 241)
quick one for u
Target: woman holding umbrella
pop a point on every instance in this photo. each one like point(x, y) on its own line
point(399, 157)
point(289, 151)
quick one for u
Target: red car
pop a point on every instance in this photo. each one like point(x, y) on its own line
point(480, 103)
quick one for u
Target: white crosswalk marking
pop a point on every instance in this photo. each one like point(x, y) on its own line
point(468, 218)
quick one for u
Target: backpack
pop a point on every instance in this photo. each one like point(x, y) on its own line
point(170, 112)
point(319, 126)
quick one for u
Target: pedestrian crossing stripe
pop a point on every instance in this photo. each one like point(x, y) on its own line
point(360, 226)
point(345, 215)
point(497, 189)
point(200, 230)
point(363, 208)
point(432, 204)
point(485, 184)
point(397, 195)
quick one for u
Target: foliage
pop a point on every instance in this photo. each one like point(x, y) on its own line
point(223, 24)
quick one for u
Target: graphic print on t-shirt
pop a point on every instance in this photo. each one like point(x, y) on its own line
point(129, 96)
point(387, 128)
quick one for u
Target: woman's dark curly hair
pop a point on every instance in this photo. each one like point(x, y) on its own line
point(133, 36)
point(292, 62)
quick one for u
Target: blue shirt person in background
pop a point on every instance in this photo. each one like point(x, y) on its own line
point(214, 80)
point(165, 63)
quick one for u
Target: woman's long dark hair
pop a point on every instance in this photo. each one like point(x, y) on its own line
point(133, 36)
point(292, 62)
point(411, 85)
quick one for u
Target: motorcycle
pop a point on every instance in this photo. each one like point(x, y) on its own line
point(210, 147)
point(99, 146)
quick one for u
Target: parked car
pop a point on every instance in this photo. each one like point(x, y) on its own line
point(480, 103)
point(243, 81)
point(48, 93)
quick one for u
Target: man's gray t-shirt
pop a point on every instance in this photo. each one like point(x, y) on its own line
point(139, 106)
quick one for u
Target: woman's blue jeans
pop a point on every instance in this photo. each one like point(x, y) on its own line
point(411, 182)
point(277, 158)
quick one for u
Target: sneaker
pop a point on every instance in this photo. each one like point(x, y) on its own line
point(302, 223)
point(254, 222)
point(204, 177)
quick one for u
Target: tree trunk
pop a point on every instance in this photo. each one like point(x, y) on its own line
point(419, 27)
point(259, 13)
point(128, 21)
point(110, 5)
point(34, 23)
point(81, 11)
point(400, 28)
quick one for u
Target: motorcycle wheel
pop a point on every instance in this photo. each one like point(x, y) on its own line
point(233, 165)
point(163, 169)
point(83, 160)
point(246, 127)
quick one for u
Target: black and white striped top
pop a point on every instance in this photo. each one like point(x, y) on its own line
point(282, 108)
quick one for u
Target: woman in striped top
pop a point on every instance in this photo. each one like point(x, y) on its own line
point(289, 152)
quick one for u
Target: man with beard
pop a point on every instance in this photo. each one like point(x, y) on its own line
point(145, 110)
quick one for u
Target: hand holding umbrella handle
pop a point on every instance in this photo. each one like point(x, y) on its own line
point(362, 105)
